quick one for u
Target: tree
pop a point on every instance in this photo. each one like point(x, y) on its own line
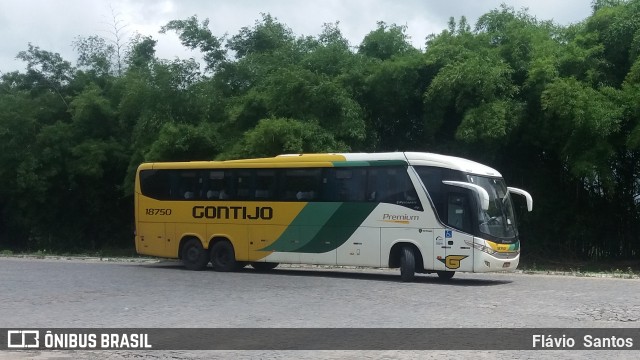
point(267, 35)
point(196, 35)
point(386, 41)
point(46, 71)
point(280, 136)
point(472, 100)
point(142, 53)
point(554, 108)
point(392, 99)
point(182, 142)
point(95, 55)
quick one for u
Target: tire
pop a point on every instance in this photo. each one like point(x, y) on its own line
point(264, 266)
point(194, 257)
point(445, 275)
point(407, 264)
point(223, 257)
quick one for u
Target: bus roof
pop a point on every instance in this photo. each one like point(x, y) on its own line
point(413, 158)
point(342, 159)
point(451, 162)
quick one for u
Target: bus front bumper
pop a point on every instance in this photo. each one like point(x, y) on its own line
point(484, 262)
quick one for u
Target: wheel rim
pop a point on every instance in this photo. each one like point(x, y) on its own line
point(192, 254)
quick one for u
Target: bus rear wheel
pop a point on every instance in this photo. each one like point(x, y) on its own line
point(264, 266)
point(223, 257)
point(193, 255)
point(407, 264)
point(445, 275)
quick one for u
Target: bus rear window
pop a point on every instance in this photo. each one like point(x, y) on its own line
point(155, 184)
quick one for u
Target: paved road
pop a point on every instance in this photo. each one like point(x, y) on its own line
point(89, 293)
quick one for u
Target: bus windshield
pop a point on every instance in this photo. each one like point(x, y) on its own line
point(499, 220)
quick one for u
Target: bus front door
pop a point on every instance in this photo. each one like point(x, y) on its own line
point(451, 251)
point(451, 245)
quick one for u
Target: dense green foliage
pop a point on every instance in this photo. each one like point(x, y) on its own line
point(555, 109)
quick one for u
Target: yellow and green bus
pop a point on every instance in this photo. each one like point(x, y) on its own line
point(419, 212)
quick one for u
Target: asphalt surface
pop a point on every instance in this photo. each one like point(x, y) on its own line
point(89, 293)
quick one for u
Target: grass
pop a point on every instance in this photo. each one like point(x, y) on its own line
point(614, 269)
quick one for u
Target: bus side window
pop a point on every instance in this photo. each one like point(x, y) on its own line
point(355, 185)
point(372, 187)
point(188, 186)
point(244, 184)
point(156, 184)
point(378, 186)
point(458, 212)
point(215, 184)
point(393, 186)
point(301, 184)
point(344, 184)
point(265, 184)
point(432, 178)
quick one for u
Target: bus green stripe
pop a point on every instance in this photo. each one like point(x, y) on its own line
point(304, 226)
point(322, 227)
point(350, 163)
point(344, 222)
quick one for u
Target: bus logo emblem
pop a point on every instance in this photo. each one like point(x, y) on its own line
point(452, 261)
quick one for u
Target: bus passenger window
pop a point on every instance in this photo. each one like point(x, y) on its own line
point(188, 188)
point(392, 185)
point(345, 184)
point(301, 184)
point(243, 185)
point(215, 185)
point(265, 184)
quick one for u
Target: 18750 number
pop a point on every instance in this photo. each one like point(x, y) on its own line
point(160, 212)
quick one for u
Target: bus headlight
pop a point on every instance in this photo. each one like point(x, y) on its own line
point(480, 247)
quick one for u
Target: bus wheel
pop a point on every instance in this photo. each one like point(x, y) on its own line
point(264, 266)
point(445, 275)
point(193, 255)
point(407, 264)
point(223, 257)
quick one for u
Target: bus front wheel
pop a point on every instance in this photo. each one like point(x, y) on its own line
point(407, 264)
point(445, 275)
point(223, 257)
point(193, 255)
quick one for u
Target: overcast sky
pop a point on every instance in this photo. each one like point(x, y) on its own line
point(54, 24)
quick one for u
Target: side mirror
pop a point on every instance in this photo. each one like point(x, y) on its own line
point(526, 195)
point(482, 193)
